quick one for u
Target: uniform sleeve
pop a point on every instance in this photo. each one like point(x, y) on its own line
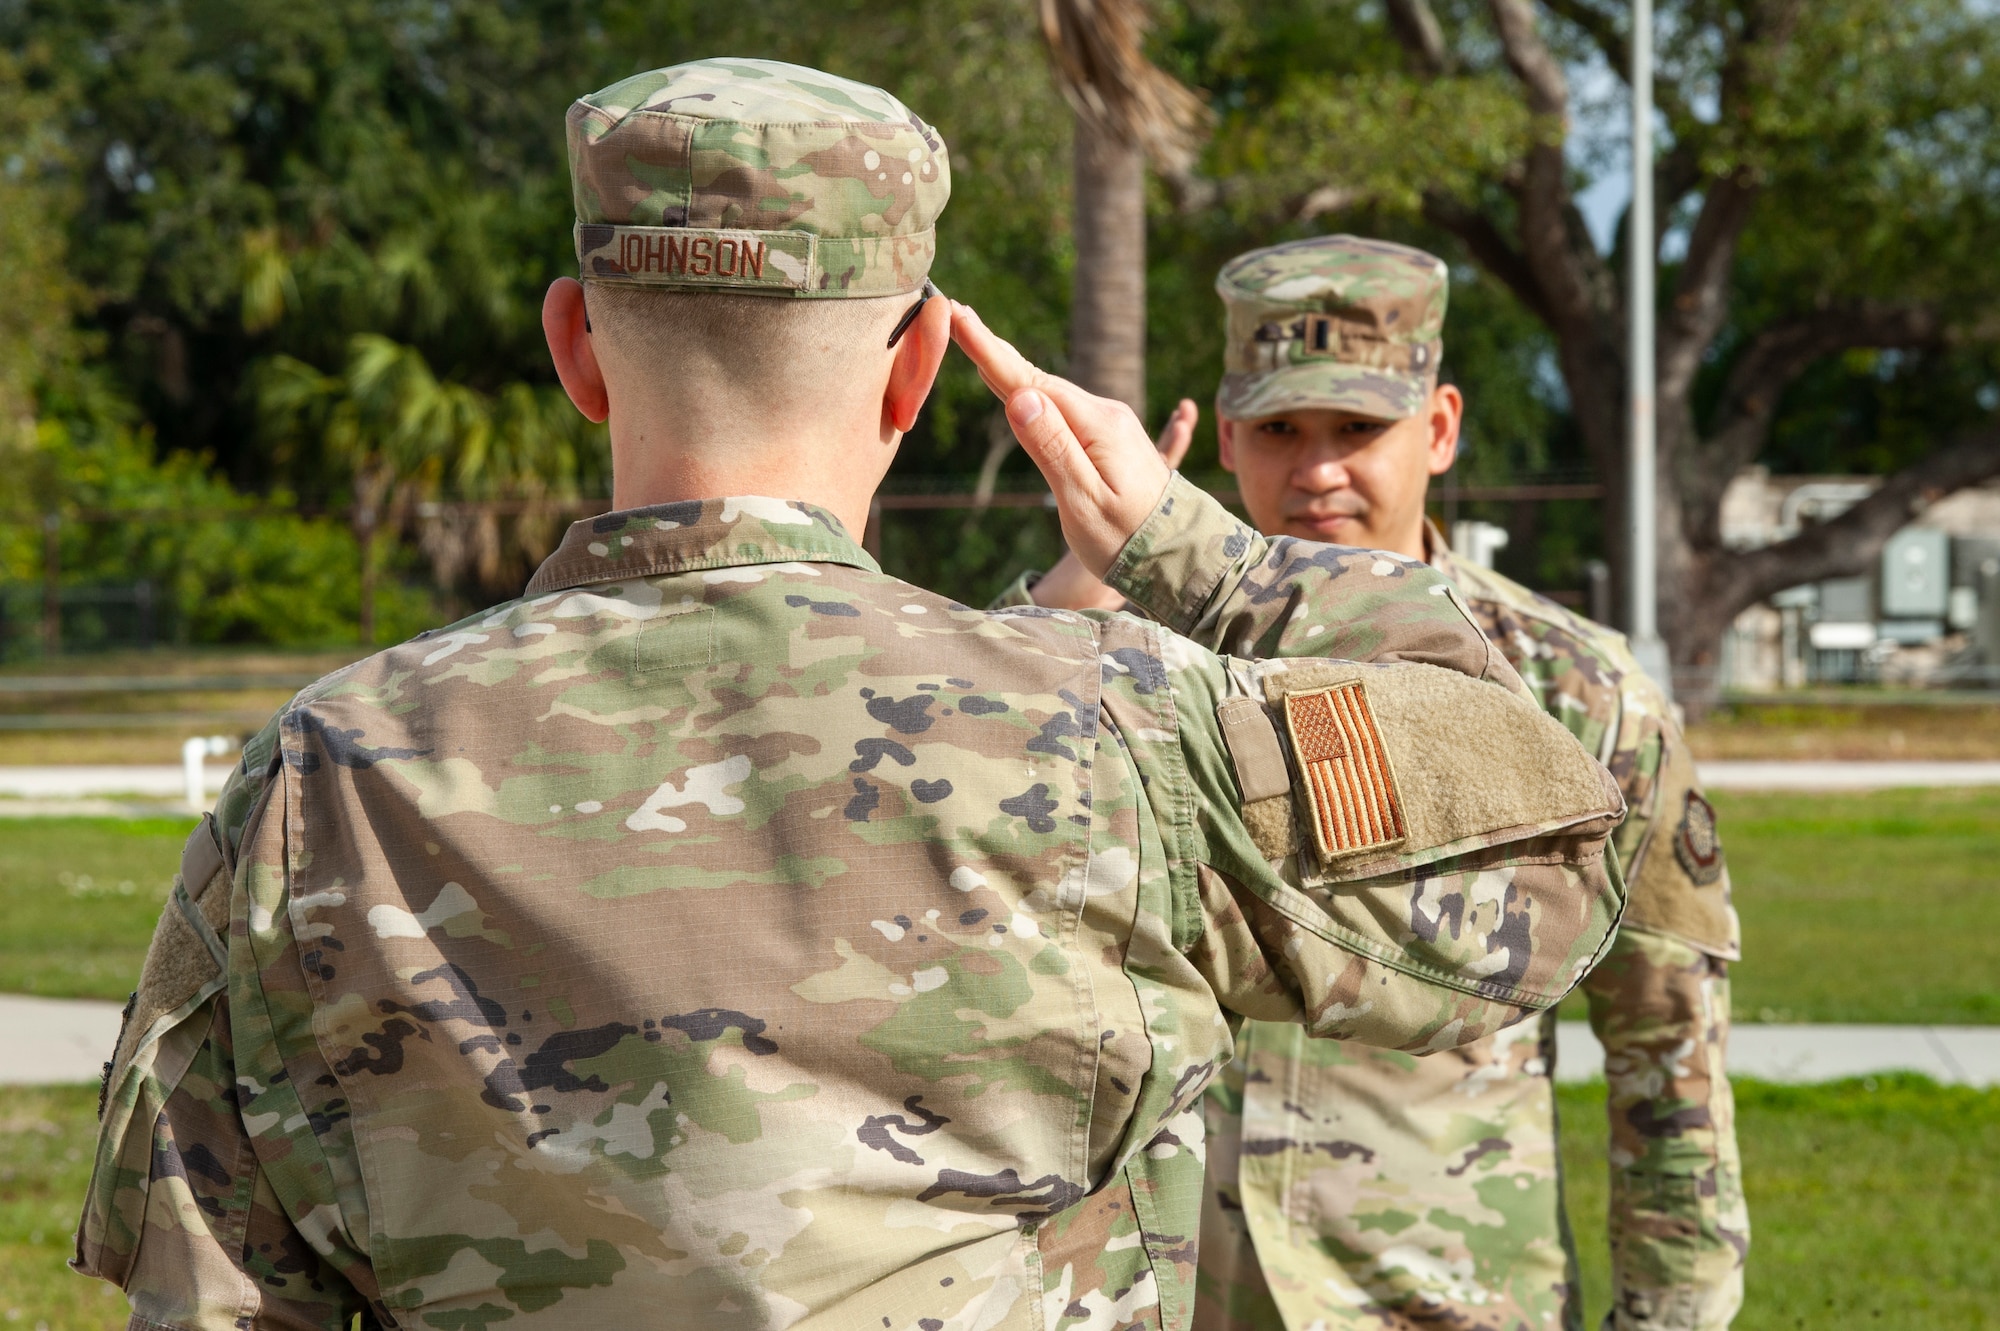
point(180, 1212)
point(1373, 842)
point(1418, 892)
point(1213, 579)
point(1679, 1225)
point(1019, 592)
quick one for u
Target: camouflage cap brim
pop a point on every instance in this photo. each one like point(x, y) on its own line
point(1329, 385)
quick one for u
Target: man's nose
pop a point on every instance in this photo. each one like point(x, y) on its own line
point(1320, 470)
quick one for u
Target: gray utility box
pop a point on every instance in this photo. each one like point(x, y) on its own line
point(1916, 574)
point(1845, 601)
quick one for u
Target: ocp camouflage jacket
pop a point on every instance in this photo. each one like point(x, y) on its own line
point(727, 934)
point(1355, 1188)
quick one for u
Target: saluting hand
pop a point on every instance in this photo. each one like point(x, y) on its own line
point(1106, 474)
point(1069, 585)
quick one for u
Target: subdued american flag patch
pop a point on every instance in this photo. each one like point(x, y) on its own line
point(1349, 787)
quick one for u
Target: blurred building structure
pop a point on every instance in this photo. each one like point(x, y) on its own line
point(1927, 614)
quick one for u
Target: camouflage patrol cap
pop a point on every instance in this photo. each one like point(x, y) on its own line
point(755, 177)
point(1335, 321)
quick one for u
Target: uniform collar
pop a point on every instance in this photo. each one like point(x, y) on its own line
point(1437, 550)
point(697, 534)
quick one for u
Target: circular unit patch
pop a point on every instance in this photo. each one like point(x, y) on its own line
point(1696, 845)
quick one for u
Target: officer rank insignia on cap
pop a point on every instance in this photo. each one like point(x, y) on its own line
point(1334, 322)
point(1349, 787)
point(1696, 845)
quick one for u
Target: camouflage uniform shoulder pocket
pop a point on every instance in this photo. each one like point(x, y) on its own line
point(186, 965)
point(1403, 765)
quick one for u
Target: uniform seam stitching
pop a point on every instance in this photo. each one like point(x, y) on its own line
point(1184, 891)
point(667, 568)
point(1031, 1259)
point(757, 124)
point(295, 795)
point(248, 1298)
point(1089, 1047)
point(131, 1261)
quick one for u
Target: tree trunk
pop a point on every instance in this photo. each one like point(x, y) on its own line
point(371, 487)
point(364, 538)
point(1595, 373)
point(52, 585)
point(1107, 340)
point(1592, 363)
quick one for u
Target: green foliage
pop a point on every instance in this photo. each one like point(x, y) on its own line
point(317, 237)
point(1875, 135)
point(1882, 157)
point(246, 571)
point(1881, 149)
point(1876, 411)
point(1381, 135)
point(308, 243)
point(37, 297)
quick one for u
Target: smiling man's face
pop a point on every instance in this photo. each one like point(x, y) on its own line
point(1343, 478)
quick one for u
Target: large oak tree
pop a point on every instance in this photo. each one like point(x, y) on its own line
point(1825, 187)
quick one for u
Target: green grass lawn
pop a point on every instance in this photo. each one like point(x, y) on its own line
point(1873, 1204)
point(45, 1144)
point(78, 901)
point(1881, 907)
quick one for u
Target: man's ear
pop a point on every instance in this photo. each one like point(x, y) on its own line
point(1447, 414)
point(1225, 440)
point(566, 325)
point(915, 368)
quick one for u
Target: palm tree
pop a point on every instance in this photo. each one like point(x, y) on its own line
point(405, 437)
point(1127, 109)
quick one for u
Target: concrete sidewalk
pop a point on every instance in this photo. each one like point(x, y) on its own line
point(46, 1041)
point(1961, 1055)
point(163, 781)
point(1844, 776)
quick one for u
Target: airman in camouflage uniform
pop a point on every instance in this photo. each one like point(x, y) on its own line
point(1353, 1187)
point(727, 934)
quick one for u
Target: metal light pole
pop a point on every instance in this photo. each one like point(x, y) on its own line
point(1643, 559)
